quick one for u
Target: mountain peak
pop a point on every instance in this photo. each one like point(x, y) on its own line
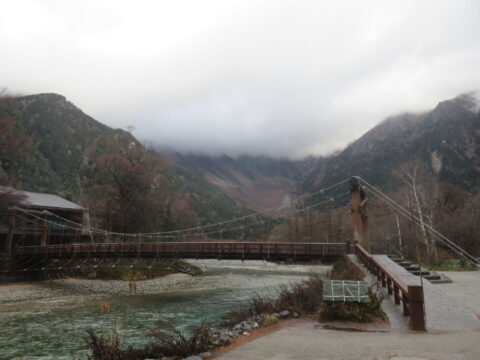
point(51, 97)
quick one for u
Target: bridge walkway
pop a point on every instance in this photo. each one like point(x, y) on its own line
point(443, 312)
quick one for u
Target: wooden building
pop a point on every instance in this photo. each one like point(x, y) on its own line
point(43, 222)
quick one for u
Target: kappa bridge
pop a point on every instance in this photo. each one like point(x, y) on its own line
point(204, 250)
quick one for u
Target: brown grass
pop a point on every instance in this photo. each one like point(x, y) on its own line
point(355, 312)
point(101, 349)
point(344, 269)
point(305, 297)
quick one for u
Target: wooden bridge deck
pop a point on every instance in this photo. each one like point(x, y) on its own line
point(206, 250)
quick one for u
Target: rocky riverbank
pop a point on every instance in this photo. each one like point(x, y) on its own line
point(58, 312)
point(72, 289)
point(75, 289)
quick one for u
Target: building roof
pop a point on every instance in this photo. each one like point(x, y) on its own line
point(45, 201)
point(49, 201)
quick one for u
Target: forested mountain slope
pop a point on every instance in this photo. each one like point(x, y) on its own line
point(47, 144)
point(445, 142)
point(259, 182)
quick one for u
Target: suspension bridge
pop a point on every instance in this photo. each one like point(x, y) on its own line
point(46, 236)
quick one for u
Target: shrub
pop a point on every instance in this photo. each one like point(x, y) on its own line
point(344, 269)
point(304, 297)
point(169, 341)
point(100, 349)
point(270, 320)
point(452, 265)
point(353, 311)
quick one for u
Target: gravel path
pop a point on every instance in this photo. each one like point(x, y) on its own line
point(310, 341)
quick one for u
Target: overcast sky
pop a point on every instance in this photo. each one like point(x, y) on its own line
point(284, 78)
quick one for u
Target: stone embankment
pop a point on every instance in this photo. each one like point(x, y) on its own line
point(225, 336)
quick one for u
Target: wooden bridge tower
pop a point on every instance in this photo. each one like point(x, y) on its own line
point(359, 214)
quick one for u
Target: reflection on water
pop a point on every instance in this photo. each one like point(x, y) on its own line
point(54, 331)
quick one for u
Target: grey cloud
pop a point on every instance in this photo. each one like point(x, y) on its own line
point(282, 78)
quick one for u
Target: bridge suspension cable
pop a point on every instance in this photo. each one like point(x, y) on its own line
point(197, 234)
point(172, 233)
point(409, 215)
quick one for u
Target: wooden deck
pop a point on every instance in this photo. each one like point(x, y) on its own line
point(205, 250)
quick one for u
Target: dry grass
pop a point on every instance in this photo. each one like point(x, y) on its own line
point(101, 349)
point(171, 342)
point(305, 297)
point(344, 269)
point(355, 312)
point(168, 341)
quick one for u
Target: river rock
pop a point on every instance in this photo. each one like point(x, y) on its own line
point(295, 315)
point(247, 326)
point(284, 314)
point(205, 355)
point(194, 357)
point(246, 333)
point(259, 318)
point(255, 325)
point(225, 339)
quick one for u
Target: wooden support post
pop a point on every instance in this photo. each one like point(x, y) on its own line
point(384, 278)
point(396, 294)
point(11, 228)
point(416, 307)
point(389, 286)
point(43, 239)
point(406, 310)
point(359, 214)
point(310, 223)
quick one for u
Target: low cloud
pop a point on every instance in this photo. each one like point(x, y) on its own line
point(283, 78)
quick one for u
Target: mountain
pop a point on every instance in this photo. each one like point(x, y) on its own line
point(445, 141)
point(47, 146)
point(51, 144)
point(258, 182)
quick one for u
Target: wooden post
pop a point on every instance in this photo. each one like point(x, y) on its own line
point(396, 294)
point(359, 214)
point(405, 303)
point(310, 223)
point(43, 239)
point(11, 228)
point(389, 286)
point(416, 306)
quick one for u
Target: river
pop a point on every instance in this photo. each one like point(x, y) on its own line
point(52, 324)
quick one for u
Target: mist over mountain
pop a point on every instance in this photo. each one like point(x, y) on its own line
point(48, 144)
point(281, 78)
point(259, 182)
point(445, 141)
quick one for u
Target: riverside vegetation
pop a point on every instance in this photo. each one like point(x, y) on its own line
point(301, 299)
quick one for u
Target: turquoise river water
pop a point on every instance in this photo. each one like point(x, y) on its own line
point(48, 329)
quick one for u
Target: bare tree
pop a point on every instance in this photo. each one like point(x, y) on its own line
point(421, 204)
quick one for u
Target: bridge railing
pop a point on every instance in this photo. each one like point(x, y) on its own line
point(192, 249)
point(404, 287)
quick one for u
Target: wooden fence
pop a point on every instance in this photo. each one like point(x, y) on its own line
point(404, 286)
